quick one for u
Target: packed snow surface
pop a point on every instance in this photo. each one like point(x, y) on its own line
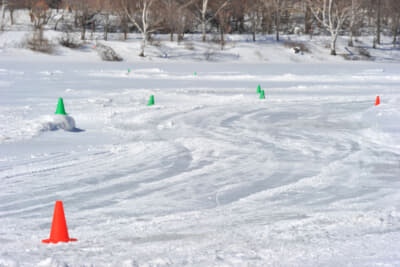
point(210, 175)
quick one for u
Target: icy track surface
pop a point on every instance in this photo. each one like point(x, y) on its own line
point(210, 175)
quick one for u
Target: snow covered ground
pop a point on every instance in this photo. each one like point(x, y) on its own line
point(210, 175)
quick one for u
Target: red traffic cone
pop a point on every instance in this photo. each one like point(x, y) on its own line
point(59, 230)
point(377, 102)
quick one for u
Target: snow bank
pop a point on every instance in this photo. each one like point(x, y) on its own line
point(26, 129)
point(7, 262)
point(50, 262)
point(58, 122)
point(384, 121)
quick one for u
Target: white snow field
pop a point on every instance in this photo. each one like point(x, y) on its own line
point(210, 175)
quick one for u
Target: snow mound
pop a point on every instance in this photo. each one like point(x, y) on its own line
point(58, 122)
point(50, 262)
point(7, 262)
point(149, 70)
point(384, 121)
point(22, 129)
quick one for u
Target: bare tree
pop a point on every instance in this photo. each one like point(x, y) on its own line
point(174, 13)
point(58, 17)
point(355, 12)
point(223, 18)
point(2, 13)
point(331, 14)
point(240, 10)
point(40, 16)
point(201, 10)
point(266, 16)
point(106, 7)
point(378, 22)
point(186, 21)
point(123, 18)
point(142, 13)
point(267, 20)
point(124, 22)
point(395, 14)
point(85, 12)
point(170, 16)
point(254, 12)
point(308, 20)
point(279, 6)
point(11, 7)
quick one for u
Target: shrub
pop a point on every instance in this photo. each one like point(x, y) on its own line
point(296, 46)
point(189, 46)
point(107, 53)
point(38, 43)
point(364, 52)
point(69, 41)
point(209, 54)
point(156, 43)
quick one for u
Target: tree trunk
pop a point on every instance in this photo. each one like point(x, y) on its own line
point(143, 45)
point(203, 19)
point(56, 24)
point(12, 16)
point(333, 44)
point(180, 37)
point(106, 23)
point(352, 21)
point(241, 25)
point(307, 21)
point(124, 24)
point(396, 30)
point(350, 43)
point(76, 19)
point(3, 10)
point(378, 24)
point(83, 29)
point(41, 39)
point(253, 26)
point(203, 29)
point(106, 32)
point(221, 29)
point(278, 22)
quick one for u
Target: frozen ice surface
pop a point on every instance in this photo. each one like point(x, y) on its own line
point(210, 175)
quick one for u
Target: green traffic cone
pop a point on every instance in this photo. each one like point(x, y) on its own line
point(129, 70)
point(262, 94)
point(60, 107)
point(259, 89)
point(195, 74)
point(151, 100)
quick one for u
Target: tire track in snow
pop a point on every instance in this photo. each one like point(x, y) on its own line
point(94, 186)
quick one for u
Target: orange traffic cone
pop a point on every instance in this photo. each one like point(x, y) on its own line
point(59, 230)
point(377, 102)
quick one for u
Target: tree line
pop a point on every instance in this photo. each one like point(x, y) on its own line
point(177, 17)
